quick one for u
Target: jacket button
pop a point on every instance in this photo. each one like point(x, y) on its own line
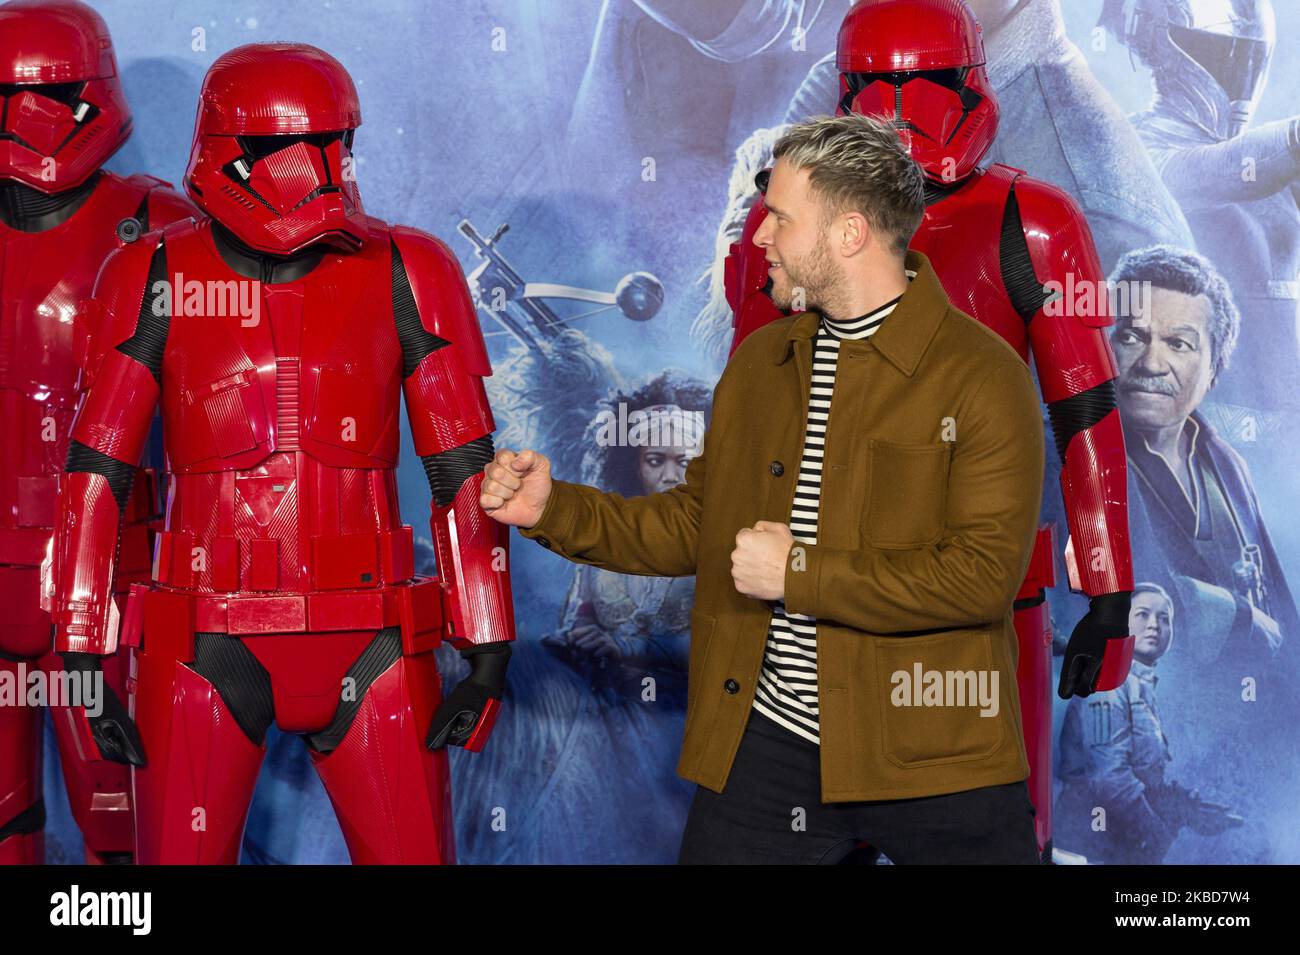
point(543, 541)
point(777, 468)
point(731, 686)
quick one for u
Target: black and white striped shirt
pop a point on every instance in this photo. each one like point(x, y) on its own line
point(787, 683)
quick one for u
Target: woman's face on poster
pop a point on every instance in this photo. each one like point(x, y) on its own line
point(663, 467)
point(1151, 621)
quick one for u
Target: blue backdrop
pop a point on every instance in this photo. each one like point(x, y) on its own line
point(616, 136)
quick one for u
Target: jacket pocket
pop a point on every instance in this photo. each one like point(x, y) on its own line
point(942, 699)
point(908, 495)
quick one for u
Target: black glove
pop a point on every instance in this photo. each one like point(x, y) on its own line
point(458, 715)
point(115, 732)
point(1106, 619)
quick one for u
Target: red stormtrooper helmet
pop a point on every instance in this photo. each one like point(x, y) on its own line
point(62, 105)
point(272, 153)
point(920, 65)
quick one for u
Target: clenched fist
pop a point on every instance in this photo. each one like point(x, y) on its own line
point(758, 561)
point(516, 487)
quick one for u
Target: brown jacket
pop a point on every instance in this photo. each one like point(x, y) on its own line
point(931, 481)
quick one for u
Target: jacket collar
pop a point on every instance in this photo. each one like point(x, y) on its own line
point(904, 338)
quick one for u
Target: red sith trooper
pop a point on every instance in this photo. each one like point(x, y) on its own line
point(1012, 252)
point(62, 115)
point(279, 334)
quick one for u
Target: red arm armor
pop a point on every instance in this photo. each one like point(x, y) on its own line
point(1076, 371)
point(161, 207)
point(451, 424)
point(108, 438)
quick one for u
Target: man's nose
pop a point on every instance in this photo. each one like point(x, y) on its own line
point(1150, 362)
point(762, 235)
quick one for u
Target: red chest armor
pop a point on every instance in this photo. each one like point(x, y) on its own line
point(43, 277)
point(961, 235)
point(281, 409)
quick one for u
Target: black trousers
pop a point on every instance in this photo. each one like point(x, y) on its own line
point(771, 812)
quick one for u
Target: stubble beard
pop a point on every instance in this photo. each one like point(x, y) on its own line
point(816, 275)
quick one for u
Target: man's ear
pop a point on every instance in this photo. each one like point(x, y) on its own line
point(855, 233)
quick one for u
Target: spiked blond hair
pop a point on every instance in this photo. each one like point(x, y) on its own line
point(857, 162)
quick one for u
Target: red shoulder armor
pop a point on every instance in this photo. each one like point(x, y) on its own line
point(1061, 244)
point(442, 296)
point(1002, 170)
point(1068, 336)
point(111, 313)
point(166, 206)
point(445, 397)
point(147, 183)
